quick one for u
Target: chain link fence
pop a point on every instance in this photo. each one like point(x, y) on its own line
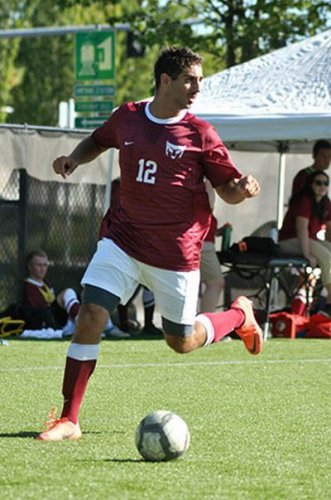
point(61, 218)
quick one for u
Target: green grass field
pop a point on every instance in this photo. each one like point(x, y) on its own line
point(260, 426)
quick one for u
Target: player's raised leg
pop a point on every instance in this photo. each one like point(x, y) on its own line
point(177, 297)
point(213, 327)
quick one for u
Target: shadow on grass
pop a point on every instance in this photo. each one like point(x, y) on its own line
point(67, 340)
point(23, 434)
point(29, 434)
point(117, 460)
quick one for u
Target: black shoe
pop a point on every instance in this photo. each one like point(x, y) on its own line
point(152, 331)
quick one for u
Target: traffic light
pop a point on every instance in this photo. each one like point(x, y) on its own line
point(134, 47)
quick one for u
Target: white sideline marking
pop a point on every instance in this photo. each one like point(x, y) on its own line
point(178, 365)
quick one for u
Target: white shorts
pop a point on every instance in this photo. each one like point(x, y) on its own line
point(176, 292)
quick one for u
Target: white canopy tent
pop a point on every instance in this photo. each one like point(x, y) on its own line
point(280, 102)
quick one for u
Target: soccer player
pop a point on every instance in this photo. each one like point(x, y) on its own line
point(156, 235)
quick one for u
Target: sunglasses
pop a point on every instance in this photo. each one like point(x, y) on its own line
point(321, 183)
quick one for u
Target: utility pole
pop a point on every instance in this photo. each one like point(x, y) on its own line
point(60, 30)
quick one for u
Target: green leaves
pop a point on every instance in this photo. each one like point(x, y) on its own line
point(224, 32)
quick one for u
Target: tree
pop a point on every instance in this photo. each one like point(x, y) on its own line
point(11, 16)
point(236, 30)
point(224, 32)
point(47, 64)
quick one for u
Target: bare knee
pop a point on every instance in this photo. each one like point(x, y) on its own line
point(91, 322)
point(181, 345)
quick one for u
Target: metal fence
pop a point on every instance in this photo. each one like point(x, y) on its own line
point(61, 218)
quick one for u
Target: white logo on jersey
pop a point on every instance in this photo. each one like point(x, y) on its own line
point(174, 151)
point(128, 143)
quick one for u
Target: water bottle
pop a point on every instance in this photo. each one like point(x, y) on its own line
point(226, 237)
point(273, 234)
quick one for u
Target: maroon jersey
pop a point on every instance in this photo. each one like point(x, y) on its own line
point(301, 208)
point(299, 180)
point(39, 306)
point(37, 295)
point(114, 203)
point(163, 213)
point(210, 236)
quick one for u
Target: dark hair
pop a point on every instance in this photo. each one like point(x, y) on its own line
point(321, 144)
point(319, 208)
point(173, 61)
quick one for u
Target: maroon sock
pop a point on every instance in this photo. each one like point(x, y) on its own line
point(298, 307)
point(123, 316)
point(225, 322)
point(76, 376)
point(73, 311)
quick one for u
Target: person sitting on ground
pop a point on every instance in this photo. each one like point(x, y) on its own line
point(309, 211)
point(322, 160)
point(41, 307)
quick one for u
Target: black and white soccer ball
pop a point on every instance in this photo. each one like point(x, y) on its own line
point(162, 435)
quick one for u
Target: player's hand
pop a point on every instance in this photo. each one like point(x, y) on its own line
point(249, 186)
point(64, 165)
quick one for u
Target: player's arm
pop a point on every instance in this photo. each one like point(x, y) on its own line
point(236, 190)
point(87, 150)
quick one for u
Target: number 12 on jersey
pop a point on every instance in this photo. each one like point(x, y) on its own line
point(146, 171)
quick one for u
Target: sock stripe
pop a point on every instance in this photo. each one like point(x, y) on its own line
point(83, 352)
point(205, 321)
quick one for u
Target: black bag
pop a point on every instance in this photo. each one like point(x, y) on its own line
point(257, 245)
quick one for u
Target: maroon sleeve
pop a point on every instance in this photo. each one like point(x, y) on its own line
point(218, 165)
point(106, 135)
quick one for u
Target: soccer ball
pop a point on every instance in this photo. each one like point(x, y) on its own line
point(162, 435)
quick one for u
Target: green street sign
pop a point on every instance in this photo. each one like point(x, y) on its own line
point(95, 55)
point(94, 90)
point(89, 122)
point(94, 106)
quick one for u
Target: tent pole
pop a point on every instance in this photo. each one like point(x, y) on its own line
point(283, 148)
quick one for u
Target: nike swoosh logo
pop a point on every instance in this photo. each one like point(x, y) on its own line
point(253, 349)
point(128, 143)
point(257, 345)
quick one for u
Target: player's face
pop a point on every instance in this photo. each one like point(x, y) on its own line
point(184, 90)
point(38, 267)
point(323, 159)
